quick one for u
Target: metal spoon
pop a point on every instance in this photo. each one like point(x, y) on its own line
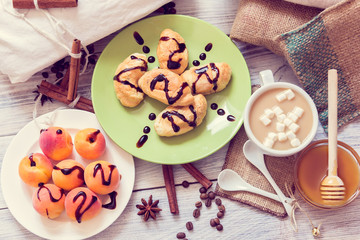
point(254, 155)
point(230, 180)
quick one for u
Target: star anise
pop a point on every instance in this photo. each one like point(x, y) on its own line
point(148, 209)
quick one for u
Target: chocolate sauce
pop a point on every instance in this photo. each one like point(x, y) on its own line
point(208, 47)
point(93, 136)
point(203, 71)
point(43, 130)
point(32, 162)
point(160, 78)
point(98, 167)
point(213, 106)
point(221, 112)
point(138, 38)
point(78, 213)
point(117, 77)
point(146, 49)
point(142, 141)
point(169, 115)
point(202, 56)
point(170, 63)
point(151, 59)
point(231, 118)
point(196, 63)
point(68, 171)
point(112, 203)
point(59, 131)
point(152, 116)
point(146, 129)
point(42, 186)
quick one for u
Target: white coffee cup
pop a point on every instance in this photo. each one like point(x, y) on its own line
point(268, 83)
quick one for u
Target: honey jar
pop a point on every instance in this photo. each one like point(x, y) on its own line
point(311, 168)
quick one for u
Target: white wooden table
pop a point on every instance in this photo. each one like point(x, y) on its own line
point(241, 221)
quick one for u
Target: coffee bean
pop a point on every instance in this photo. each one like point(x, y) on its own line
point(189, 226)
point(208, 202)
point(45, 74)
point(59, 75)
point(219, 227)
point(185, 184)
point(211, 195)
point(203, 196)
point(221, 208)
point(218, 201)
point(196, 213)
point(198, 204)
point(212, 222)
point(181, 235)
point(220, 214)
point(202, 190)
point(217, 221)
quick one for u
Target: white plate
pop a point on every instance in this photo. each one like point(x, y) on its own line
point(18, 195)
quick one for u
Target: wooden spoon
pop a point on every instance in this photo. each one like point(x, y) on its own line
point(332, 187)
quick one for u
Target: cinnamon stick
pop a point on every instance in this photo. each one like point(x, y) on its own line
point(60, 94)
point(170, 188)
point(28, 4)
point(65, 81)
point(197, 175)
point(74, 71)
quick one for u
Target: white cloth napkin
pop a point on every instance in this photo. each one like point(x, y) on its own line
point(24, 51)
point(316, 3)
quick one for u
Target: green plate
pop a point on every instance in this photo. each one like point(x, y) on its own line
point(125, 125)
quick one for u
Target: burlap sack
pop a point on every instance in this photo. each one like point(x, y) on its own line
point(330, 40)
point(259, 21)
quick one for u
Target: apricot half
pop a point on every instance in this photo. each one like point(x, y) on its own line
point(56, 143)
point(35, 168)
point(90, 143)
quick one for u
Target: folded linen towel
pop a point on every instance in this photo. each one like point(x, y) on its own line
point(316, 3)
point(24, 51)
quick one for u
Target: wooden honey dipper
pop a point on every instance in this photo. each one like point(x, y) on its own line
point(332, 187)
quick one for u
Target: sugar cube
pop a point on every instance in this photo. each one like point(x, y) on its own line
point(292, 116)
point(280, 127)
point(280, 96)
point(281, 117)
point(269, 113)
point(282, 136)
point(290, 135)
point(295, 142)
point(298, 111)
point(294, 127)
point(287, 122)
point(277, 110)
point(289, 94)
point(265, 120)
point(268, 142)
point(273, 136)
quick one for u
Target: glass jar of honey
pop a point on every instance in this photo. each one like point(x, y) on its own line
point(311, 168)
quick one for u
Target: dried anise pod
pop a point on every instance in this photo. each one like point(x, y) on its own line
point(149, 208)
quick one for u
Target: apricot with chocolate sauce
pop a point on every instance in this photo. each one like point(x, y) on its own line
point(48, 200)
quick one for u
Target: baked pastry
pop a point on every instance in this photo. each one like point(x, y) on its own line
point(126, 79)
point(82, 204)
point(68, 174)
point(48, 200)
point(167, 87)
point(102, 177)
point(175, 121)
point(172, 52)
point(207, 79)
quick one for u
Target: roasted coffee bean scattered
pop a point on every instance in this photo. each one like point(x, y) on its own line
point(220, 214)
point(181, 235)
point(45, 74)
point(217, 221)
point(185, 184)
point(202, 190)
point(189, 225)
point(221, 208)
point(218, 201)
point(219, 227)
point(196, 213)
point(59, 75)
point(211, 195)
point(208, 202)
point(198, 204)
point(212, 222)
point(203, 196)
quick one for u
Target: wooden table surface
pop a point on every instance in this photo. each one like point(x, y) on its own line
point(241, 221)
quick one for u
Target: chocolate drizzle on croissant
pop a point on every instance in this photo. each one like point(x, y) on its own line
point(161, 78)
point(143, 68)
point(203, 71)
point(169, 115)
point(170, 63)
